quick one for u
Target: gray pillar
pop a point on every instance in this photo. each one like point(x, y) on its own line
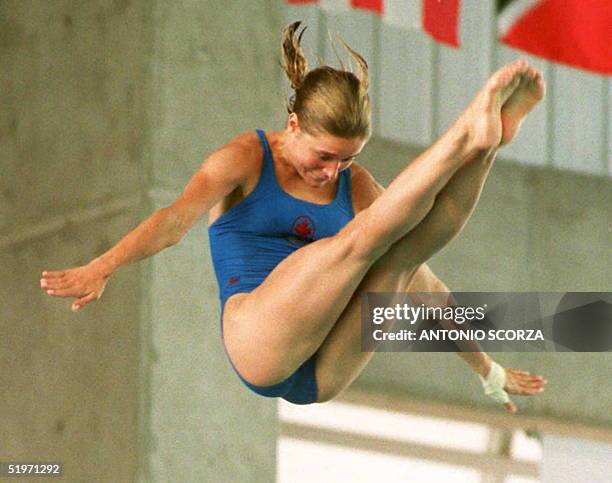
point(212, 74)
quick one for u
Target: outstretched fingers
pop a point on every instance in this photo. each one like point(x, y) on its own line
point(52, 276)
point(85, 284)
point(65, 292)
point(59, 285)
point(62, 284)
point(523, 383)
point(53, 283)
point(84, 301)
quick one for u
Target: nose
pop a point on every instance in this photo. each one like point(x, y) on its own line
point(331, 171)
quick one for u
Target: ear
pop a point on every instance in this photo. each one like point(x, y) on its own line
point(293, 123)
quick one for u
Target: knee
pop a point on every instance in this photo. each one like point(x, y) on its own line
point(361, 241)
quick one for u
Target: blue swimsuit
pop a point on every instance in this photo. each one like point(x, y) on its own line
point(250, 239)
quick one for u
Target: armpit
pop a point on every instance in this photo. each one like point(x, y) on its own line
point(364, 188)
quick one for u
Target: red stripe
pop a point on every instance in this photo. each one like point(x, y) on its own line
point(373, 5)
point(573, 32)
point(441, 20)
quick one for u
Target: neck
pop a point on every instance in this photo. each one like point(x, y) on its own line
point(278, 145)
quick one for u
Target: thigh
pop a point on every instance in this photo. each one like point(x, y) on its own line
point(271, 331)
point(340, 359)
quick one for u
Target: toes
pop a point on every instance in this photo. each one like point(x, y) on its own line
point(515, 75)
point(520, 66)
point(539, 80)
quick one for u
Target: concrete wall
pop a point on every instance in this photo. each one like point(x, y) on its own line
point(108, 108)
point(71, 175)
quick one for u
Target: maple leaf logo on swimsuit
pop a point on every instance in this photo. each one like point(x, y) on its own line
point(303, 227)
point(302, 231)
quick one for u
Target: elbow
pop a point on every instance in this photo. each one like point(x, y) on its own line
point(172, 226)
point(175, 235)
point(173, 240)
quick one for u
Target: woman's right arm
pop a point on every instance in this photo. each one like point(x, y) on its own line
point(223, 171)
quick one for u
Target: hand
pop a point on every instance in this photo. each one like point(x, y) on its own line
point(85, 283)
point(522, 383)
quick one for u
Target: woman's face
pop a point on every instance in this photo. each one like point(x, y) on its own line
point(319, 158)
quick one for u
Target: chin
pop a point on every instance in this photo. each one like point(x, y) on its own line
point(319, 183)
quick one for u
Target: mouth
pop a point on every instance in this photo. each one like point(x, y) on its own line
point(318, 180)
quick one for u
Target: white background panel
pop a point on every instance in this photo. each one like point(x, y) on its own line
point(405, 93)
point(530, 146)
point(463, 71)
point(579, 114)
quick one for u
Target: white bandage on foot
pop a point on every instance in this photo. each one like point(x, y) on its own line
point(494, 383)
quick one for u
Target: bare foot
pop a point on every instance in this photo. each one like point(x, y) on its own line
point(482, 118)
point(529, 92)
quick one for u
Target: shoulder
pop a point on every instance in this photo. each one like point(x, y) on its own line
point(239, 158)
point(364, 187)
point(243, 149)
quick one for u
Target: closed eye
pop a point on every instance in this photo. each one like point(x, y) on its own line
point(325, 157)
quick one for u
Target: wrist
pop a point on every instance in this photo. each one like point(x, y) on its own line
point(104, 265)
point(482, 367)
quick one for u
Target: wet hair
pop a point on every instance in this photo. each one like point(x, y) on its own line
point(333, 101)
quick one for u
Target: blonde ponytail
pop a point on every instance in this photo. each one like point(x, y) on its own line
point(294, 61)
